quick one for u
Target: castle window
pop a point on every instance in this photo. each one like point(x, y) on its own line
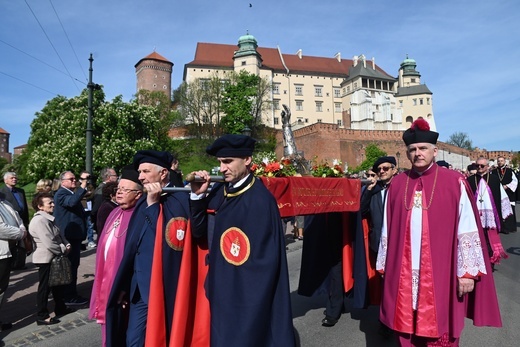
point(413, 80)
point(421, 101)
point(427, 101)
point(243, 63)
point(276, 120)
point(415, 102)
point(299, 120)
point(298, 89)
point(319, 120)
point(318, 91)
point(276, 104)
point(337, 107)
point(339, 122)
point(155, 85)
point(319, 106)
point(276, 88)
point(299, 105)
point(337, 92)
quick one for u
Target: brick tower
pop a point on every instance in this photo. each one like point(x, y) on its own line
point(154, 73)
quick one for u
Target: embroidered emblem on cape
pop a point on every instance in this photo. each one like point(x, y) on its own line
point(175, 232)
point(235, 246)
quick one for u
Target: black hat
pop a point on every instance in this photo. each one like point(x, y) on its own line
point(129, 173)
point(163, 159)
point(232, 146)
point(443, 163)
point(472, 166)
point(420, 132)
point(382, 160)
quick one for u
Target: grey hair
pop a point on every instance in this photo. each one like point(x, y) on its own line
point(9, 174)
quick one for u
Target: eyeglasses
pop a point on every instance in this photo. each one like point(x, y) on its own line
point(126, 190)
point(384, 168)
point(372, 175)
point(481, 166)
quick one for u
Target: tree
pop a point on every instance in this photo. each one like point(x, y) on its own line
point(372, 153)
point(200, 104)
point(57, 140)
point(460, 139)
point(245, 100)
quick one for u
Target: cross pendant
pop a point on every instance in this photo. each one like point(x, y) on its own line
point(481, 201)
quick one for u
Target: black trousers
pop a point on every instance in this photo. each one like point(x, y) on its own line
point(74, 256)
point(335, 302)
point(5, 273)
point(42, 296)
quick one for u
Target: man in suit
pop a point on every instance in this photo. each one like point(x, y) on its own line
point(373, 198)
point(71, 218)
point(134, 289)
point(15, 196)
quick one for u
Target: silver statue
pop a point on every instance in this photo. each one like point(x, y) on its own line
point(289, 145)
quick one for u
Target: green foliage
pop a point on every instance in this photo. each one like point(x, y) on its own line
point(372, 152)
point(192, 156)
point(3, 162)
point(244, 100)
point(58, 141)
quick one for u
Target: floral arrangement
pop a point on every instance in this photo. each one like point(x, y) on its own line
point(266, 164)
point(324, 169)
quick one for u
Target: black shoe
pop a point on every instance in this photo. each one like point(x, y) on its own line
point(65, 311)
point(5, 326)
point(328, 322)
point(385, 331)
point(76, 301)
point(51, 321)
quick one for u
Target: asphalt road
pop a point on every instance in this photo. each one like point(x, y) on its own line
point(356, 327)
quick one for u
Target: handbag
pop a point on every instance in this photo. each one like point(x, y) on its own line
point(29, 244)
point(18, 256)
point(60, 272)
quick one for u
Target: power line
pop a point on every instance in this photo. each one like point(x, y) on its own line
point(52, 45)
point(32, 85)
point(67, 36)
point(41, 61)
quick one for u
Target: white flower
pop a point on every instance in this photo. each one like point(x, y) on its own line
point(335, 162)
point(265, 160)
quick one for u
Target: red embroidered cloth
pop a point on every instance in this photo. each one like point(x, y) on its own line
point(297, 196)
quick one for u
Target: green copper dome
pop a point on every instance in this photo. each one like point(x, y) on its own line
point(247, 45)
point(408, 66)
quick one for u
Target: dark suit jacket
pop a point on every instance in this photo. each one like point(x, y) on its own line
point(372, 205)
point(70, 215)
point(6, 194)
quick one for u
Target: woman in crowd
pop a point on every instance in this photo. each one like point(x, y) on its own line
point(111, 244)
point(49, 244)
point(44, 185)
point(109, 203)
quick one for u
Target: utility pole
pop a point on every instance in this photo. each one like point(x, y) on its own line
point(90, 86)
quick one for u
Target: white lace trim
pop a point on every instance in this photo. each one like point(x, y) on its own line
point(487, 217)
point(506, 208)
point(470, 259)
point(381, 254)
point(415, 287)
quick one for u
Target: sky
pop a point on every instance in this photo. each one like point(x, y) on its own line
point(467, 51)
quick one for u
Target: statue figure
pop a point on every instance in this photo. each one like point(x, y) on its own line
point(289, 146)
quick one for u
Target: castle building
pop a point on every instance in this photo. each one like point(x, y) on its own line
point(154, 73)
point(4, 145)
point(351, 93)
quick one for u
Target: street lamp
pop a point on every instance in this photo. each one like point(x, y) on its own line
point(246, 131)
point(398, 155)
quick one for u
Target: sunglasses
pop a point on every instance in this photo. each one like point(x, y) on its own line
point(481, 166)
point(384, 168)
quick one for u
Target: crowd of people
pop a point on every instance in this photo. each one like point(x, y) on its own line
point(208, 267)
